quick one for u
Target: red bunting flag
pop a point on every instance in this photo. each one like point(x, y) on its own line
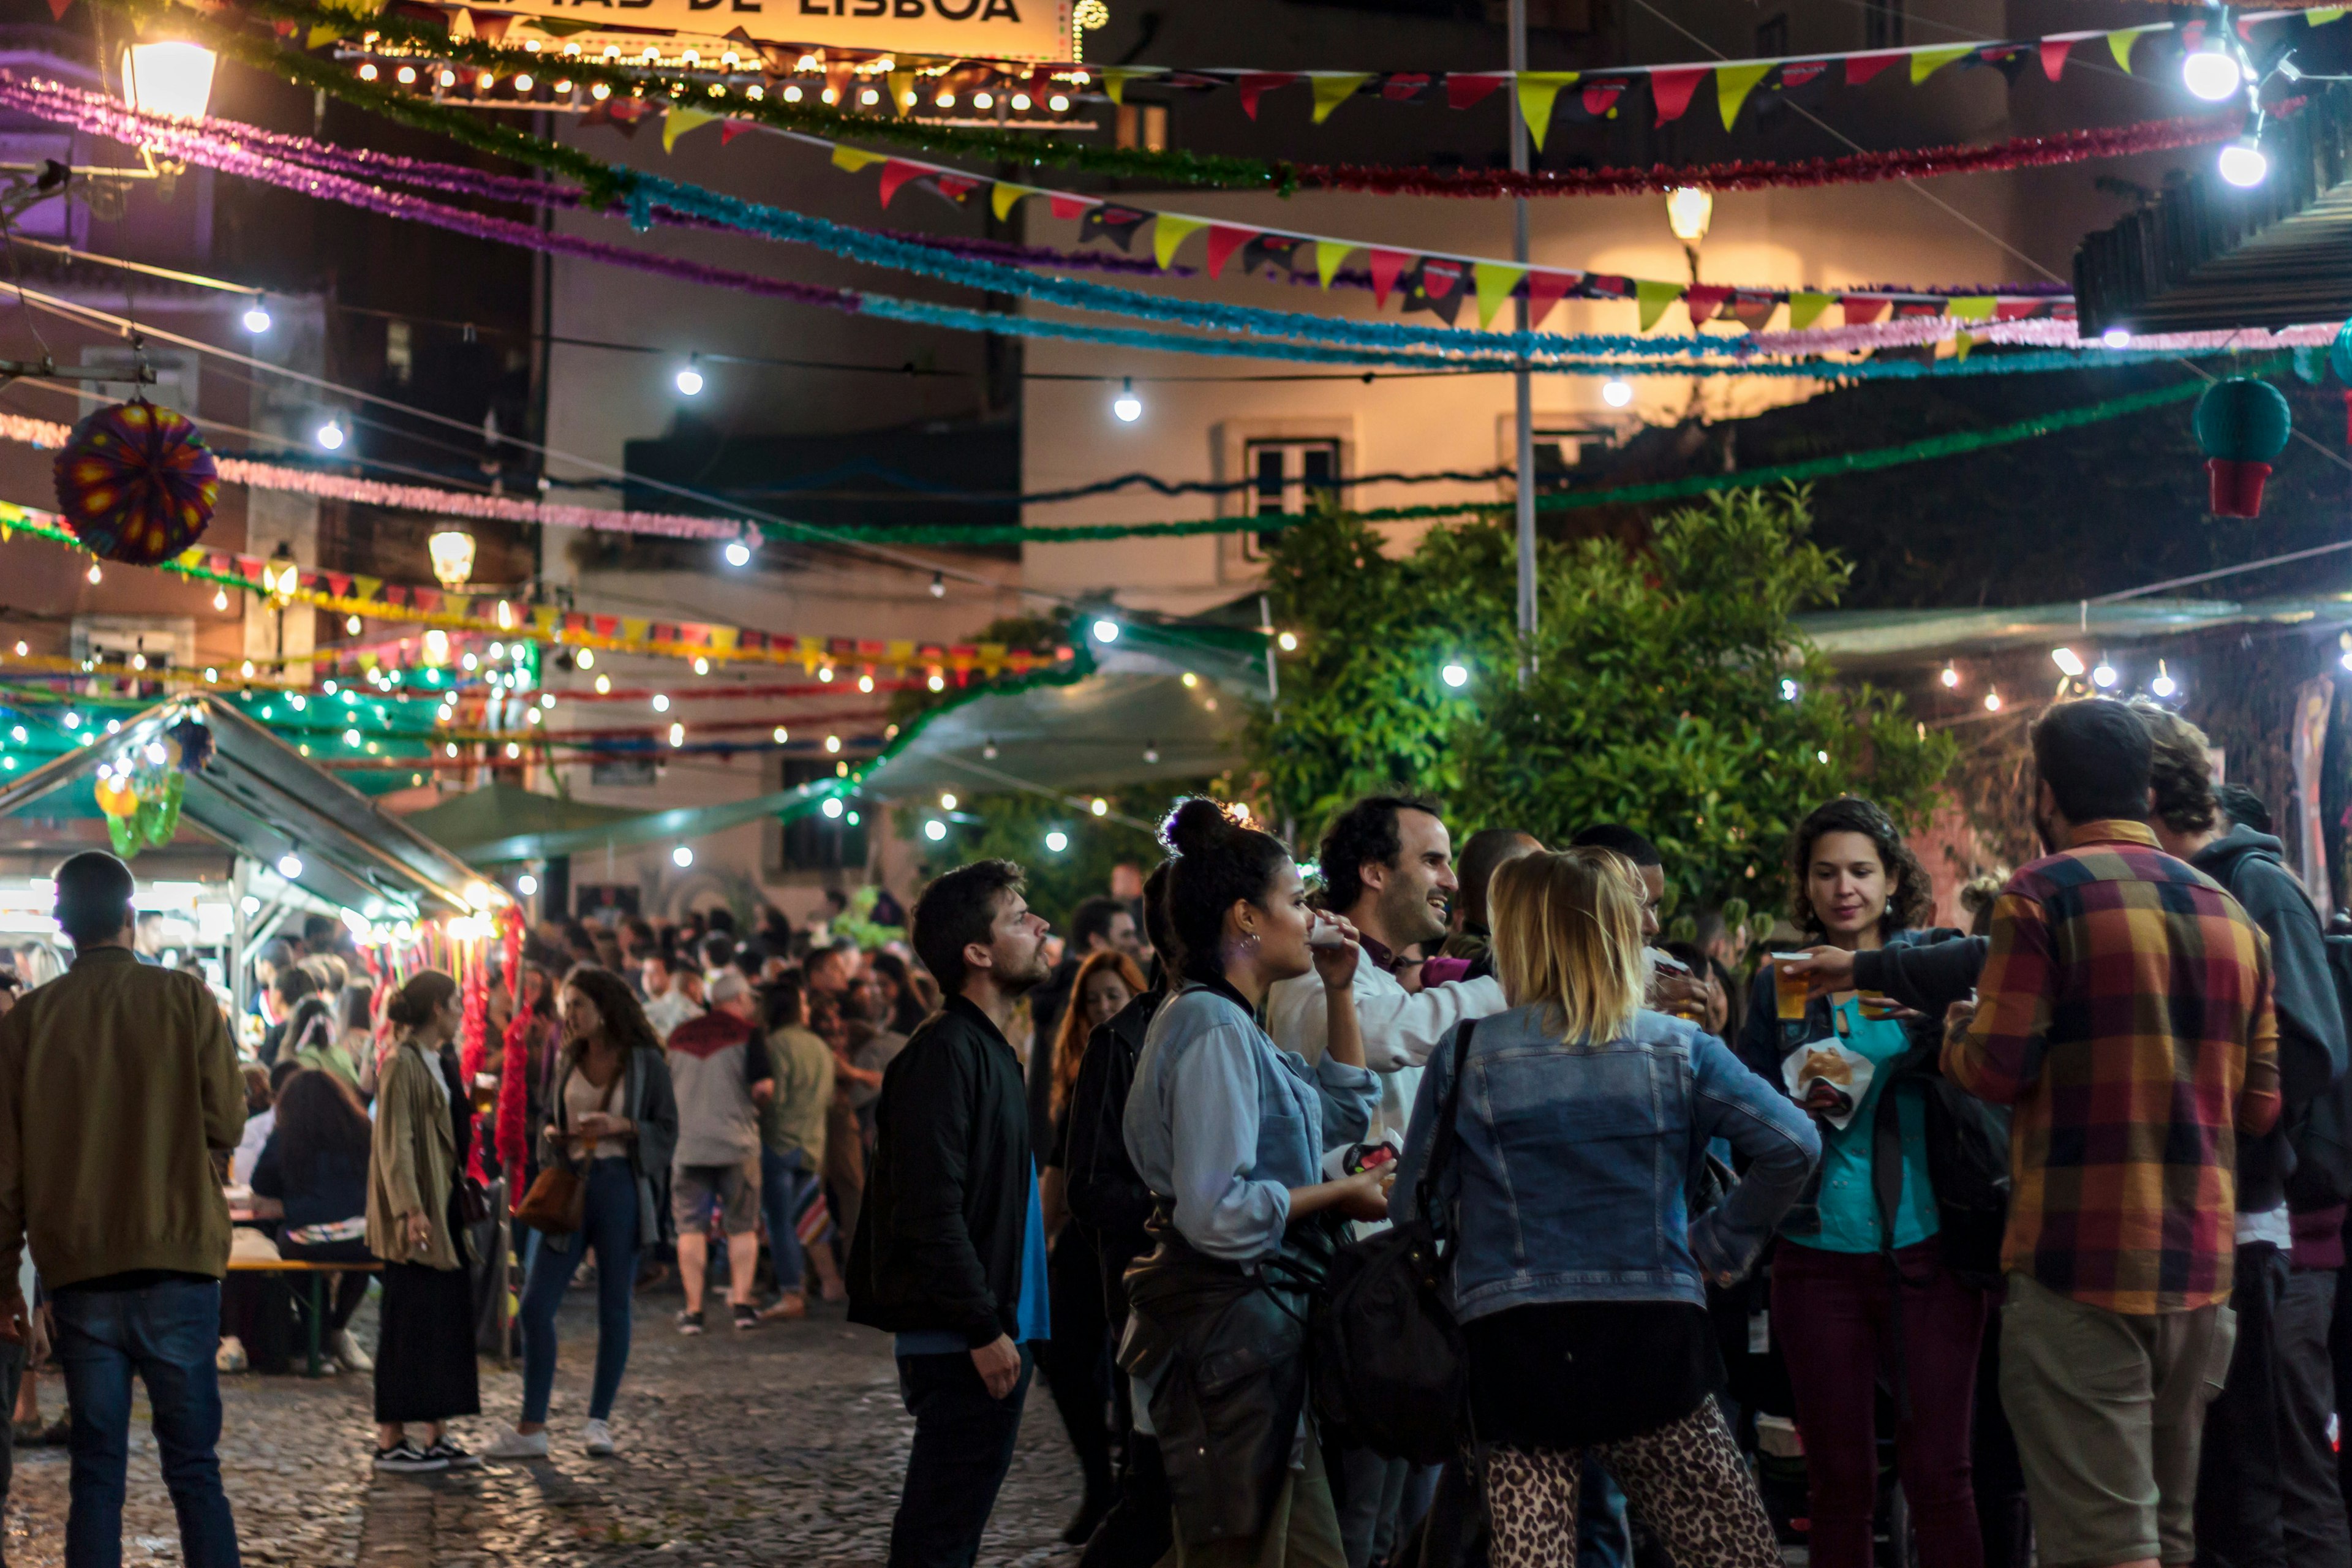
point(1254, 85)
point(1466, 89)
point(1386, 265)
point(1704, 300)
point(896, 172)
point(1223, 240)
point(1673, 90)
point(1860, 310)
point(730, 129)
point(1860, 69)
point(2054, 56)
point(1068, 207)
point(1546, 290)
point(1401, 86)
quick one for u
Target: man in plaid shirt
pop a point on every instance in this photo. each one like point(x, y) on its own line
point(2125, 1011)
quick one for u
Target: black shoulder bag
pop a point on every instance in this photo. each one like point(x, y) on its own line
point(1389, 1368)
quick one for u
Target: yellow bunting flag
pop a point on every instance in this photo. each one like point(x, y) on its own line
point(1328, 255)
point(1495, 281)
point(1926, 63)
point(1977, 308)
point(2320, 15)
point(1116, 78)
point(1333, 88)
point(902, 92)
point(1804, 309)
point(2119, 44)
point(1733, 84)
point(1652, 297)
point(848, 159)
point(678, 122)
point(1006, 196)
point(357, 8)
point(1170, 231)
point(1537, 91)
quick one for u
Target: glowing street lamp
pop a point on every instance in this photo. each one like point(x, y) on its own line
point(174, 79)
point(453, 557)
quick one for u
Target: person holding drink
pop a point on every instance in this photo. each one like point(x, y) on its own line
point(1889, 1247)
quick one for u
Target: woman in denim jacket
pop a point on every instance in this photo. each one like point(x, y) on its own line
point(1228, 1132)
point(1578, 1273)
point(1882, 1259)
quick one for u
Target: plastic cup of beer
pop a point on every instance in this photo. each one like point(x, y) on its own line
point(1877, 1005)
point(1789, 989)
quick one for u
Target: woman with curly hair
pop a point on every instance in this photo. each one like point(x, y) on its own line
point(1884, 1259)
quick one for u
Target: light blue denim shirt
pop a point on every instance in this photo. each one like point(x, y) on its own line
point(1570, 1180)
point(1225, 1123)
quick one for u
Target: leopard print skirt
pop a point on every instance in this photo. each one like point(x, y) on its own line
point(1686, 1481)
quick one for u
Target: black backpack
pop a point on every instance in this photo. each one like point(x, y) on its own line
point(1386, 1363)
point(2323, 1140)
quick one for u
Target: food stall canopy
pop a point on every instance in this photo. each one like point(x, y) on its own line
point(260, 797)
point(1867, 640)
point(480, 819)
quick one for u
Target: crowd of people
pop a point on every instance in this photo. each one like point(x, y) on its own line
point(2043, 1220)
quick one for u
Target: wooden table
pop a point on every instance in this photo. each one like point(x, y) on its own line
point(318, 1273)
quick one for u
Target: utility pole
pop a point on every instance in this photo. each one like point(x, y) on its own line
point(1522, 376)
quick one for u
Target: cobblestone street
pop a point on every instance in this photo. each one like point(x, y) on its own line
point(783, 1444)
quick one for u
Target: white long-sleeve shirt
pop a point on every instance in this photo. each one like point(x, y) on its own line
point(1399, 1028)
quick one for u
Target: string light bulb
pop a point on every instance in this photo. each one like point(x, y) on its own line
point(1126, 406)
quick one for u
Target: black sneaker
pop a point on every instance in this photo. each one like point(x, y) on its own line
point(449, 1454)
point(406, 1457)
point(747, 1316)
point(689, 1322)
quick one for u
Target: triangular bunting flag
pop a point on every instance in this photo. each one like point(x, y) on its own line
point(731, 130)
point(1546, 290)
point(1170, 232)
point(1671, 89)
point(1333, 88)
point(2320, 15)
point(490, 26)
point(1069, 207)
point(1116, 78)
point(1405, 87)
point(1926, 63)
point(1978, 308)
point(850, 160)
point(1733, 84)
point(2018, 310)
point(2053, 57)
point(1465, 89)
point(1223, 240)
point(955, 187)
point(1704, 299)
point(1652, 299)
point(1537, 91)
point(1000, 201)
point(1753, 309)
point(1117, 224)
point(1386, 265)
point(1328, 255)
point(900, 84)
point(678, 122)
point(896, 172)
point(1805, 308)
point(1862, 310)
point(1860, 69)
point(1495, 280)
point(1254, 85)
point(2119, 44)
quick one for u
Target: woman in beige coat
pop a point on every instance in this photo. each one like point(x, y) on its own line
point(425, 1370)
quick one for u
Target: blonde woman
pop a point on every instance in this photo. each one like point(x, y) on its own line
point(1578, 1273)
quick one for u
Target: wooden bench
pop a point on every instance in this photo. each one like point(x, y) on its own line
point(318, 1273)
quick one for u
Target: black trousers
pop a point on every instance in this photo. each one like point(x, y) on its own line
point(2311, 1504)
point(1141, 1524)
point(963, 1446)
point(2004, 1518)
point(2238, 1488)
point(1076, 1360)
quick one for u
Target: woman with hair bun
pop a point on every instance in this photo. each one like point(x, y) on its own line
point(1228, 1132)
point(425, 1370)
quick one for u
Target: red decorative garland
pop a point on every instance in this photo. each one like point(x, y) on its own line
point(1855, 168)
point(473, 1046)
point(514, 1079)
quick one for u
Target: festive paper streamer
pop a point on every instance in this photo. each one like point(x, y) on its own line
point(1333, 88)
point(1671, 90)
point(1652, 300)
point(1928, 62)
point(678, 122)
point(1734, 83)
point(1496, 283)
point(1170, 231)
point(2053, 57)
point(1223, 240)
point(1805, 308)
point(1538, 90)
point(1328, 255)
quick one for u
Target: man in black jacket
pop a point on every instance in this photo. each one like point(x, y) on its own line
point(1113, 1203)
point(949, 1254)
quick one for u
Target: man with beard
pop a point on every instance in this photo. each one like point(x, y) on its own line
point(949, 1254)
point(2126, 1013)
point(1388, 868)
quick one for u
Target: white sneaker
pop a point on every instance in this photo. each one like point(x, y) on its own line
point(513, 1445)
point(230, 1356)
point(347, 1352)
point(596, 1437)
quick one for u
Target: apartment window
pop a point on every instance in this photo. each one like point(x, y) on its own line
point(1143, 125)
point(399, 352)
point(1772, 37)
point(1286, 478)
point(1882, 23)
point(817, 842)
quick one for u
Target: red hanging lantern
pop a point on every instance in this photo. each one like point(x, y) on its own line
point(136, 484)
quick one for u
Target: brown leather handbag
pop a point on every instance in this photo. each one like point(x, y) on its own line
point(558, 1198)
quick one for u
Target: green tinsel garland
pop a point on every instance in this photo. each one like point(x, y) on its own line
point(1173, 167)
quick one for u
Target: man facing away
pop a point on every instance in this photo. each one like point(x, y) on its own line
point(2125, 1012)
point(718, 1066)
point(119, 1094)
point(949, 1254)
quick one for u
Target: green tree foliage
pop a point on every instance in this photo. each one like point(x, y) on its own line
point(1011, 825)
point(1659, 700)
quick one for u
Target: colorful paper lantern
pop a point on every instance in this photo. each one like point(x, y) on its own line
point(2242, 424)
point(136, 484)
point(116, 797)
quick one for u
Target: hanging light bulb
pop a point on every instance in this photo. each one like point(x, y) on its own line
point(289, 865)
point(738, 554)
point(938, 585)
point(257, 316)
point(1616, 392)
point(2163, 685)
point(330, 435)
point(220, 598)
point(689, 380)
point(1126, 406)
point(2102, 675)
point(1951, 678)
point(2243, 164)
point(2211, 70)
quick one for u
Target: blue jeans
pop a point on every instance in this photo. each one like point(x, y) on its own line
point(785, 1183)
point(167, 1333)
point(608, 1222)
point(1603, 1538)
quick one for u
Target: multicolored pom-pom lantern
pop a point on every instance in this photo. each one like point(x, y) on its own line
point(2242, 424)
point(116, 797)
point(136, 484)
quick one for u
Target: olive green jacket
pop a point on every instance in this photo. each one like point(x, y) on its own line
point(413, 1164)
point(118, 1089)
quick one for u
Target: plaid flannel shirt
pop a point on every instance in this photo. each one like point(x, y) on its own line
point(2125, 1011)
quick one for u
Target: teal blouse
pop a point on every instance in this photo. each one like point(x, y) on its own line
point(1849, 1212)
